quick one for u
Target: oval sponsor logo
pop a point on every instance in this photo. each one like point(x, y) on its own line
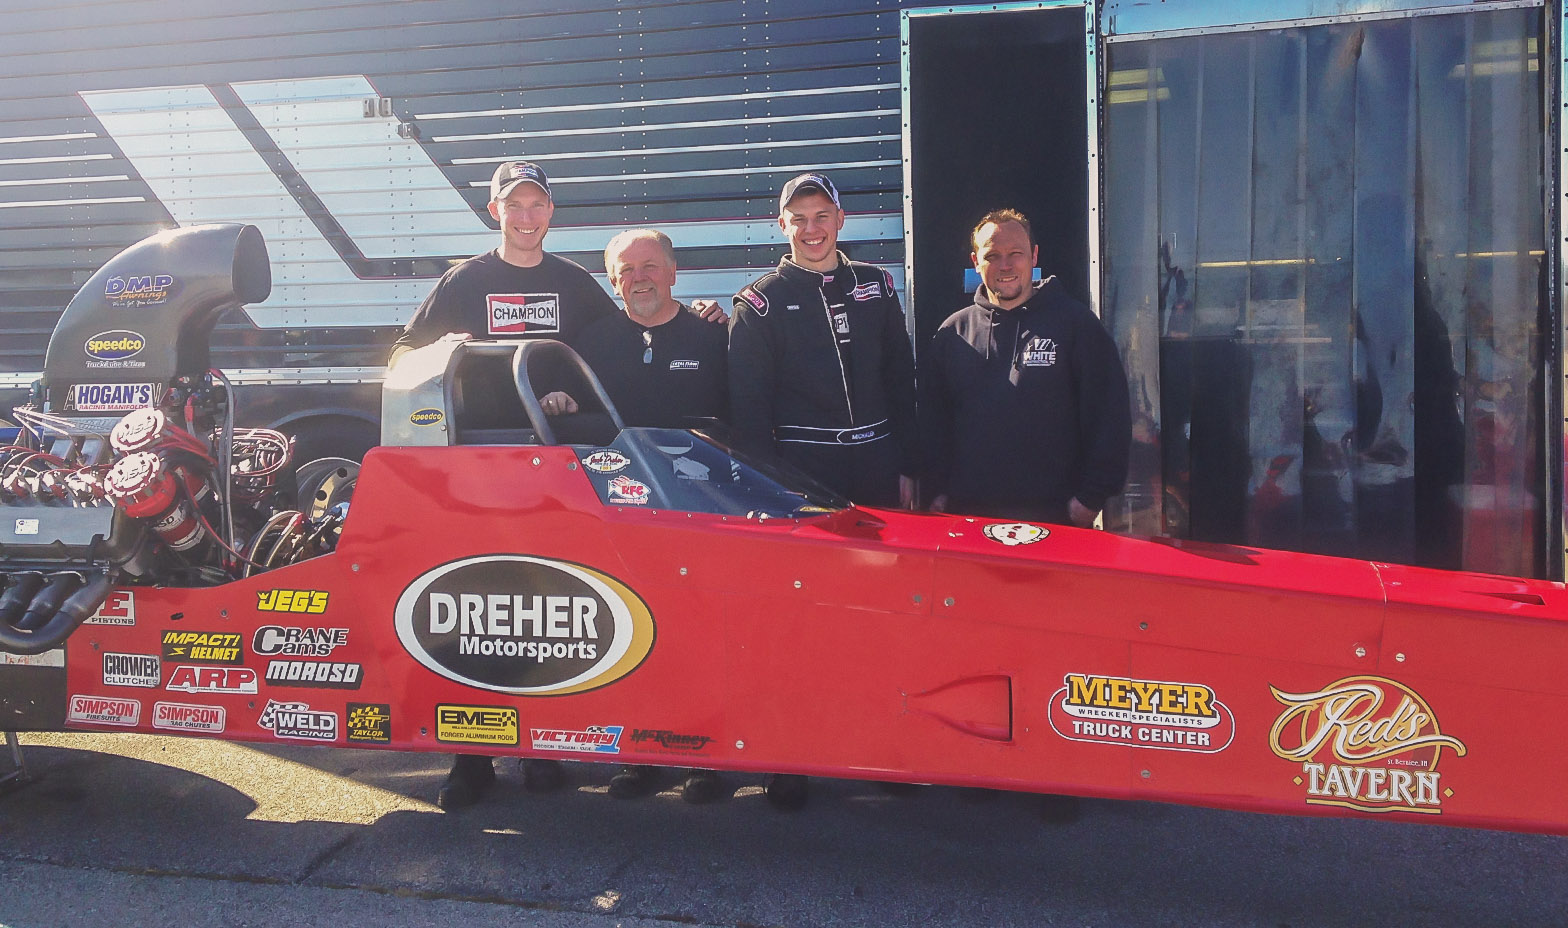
point(606, 461)
point(114, 345)
point(427, 416)
point(524, 625)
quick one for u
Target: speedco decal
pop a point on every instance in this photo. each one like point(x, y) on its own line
point(118, 609)
point(476, 724)
point(1366, 743)
point(212, 679)
point(312, 602)
point(606, 461)
point(1141, 714)
point(105, 710)
point(595, 739)
point(272, 640)
point(427, 416)
point(517, 313)
point(177, 716)
point(524, 625)
point(1015, 533)
point(298, 721)
point(206, 647)
point(132, 669)
point(113, 397)
point(115, 348)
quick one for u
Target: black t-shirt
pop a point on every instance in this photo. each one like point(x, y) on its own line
point(489, 298)
point(684, 376)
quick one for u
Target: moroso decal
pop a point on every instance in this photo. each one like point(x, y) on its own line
point(476, 724)
point(105, 710)
point(332, 675)
point(313, 602)
point(118, 609)
point(524, 625)
point(595, 739)
point(1155, 714)
point(1365, 743)
point(204, 647)
point(430, 415)
point(179, 716)
point(115, 348)
point(1015, 533)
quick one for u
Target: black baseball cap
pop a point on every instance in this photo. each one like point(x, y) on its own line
point(805, 183)
point(512, 173)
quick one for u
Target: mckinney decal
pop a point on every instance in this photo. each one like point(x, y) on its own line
point(205, 647)
point(523, 625)
point(524, 313)
point(1015, 533)
point(132, 669)
point(332, 675)
point(312, 602)
point(104, 710)
point(595, 739)
point(1158, 714)
point(1366, 743)
point(188, 679)
point(666, 741)
point(118, 609)
point(178, 716)
point(476, 724)
point(366, 722)
point(112, 397)
point(298, 721)
point(271, 640)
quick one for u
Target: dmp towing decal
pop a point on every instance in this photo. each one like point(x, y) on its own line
point(524, 625)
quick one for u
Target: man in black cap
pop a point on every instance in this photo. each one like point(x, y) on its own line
point(821, 372)
point(518, 290)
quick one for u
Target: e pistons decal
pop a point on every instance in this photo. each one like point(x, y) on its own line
point(1040, 352)
point(1155, 714)
point(1365, 743)
point(1015, 533)
point(524, 313)
point(118, 609)
point(524, 625)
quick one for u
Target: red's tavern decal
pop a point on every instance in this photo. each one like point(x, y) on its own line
point(105, 710)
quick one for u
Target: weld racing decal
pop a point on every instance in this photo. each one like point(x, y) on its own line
point(523, 625)
point(298, 721)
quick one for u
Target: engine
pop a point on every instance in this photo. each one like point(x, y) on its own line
point(127, 466)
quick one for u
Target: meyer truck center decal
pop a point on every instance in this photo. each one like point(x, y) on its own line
point(523, 625)
point(1159, 714)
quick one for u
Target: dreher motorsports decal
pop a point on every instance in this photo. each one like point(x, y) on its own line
point(1159, 714)
point(524, 625)
point(476, 724)
point(1366, 743)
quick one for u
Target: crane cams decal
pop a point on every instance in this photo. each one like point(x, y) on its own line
point(1155, 714)
point(1365, 743)
point(523, 625)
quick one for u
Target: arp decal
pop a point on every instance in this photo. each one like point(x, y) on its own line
point(297, 721)
point(1158, 714)
point(187, 679)
point(1365, 743)
point(664, 741)
point(118, 609)
point(144, 670)
point(331, 675)
point(368, 723)
point(136, 290)
point(524, 625)
point(427, 416)
point(595, 739)
point(105, 710)
point(311, 602)
point(524, 313)
point(1016, 533)
point(115, 348)
point(606, 461)
point(203, 647)
point(275, 640)
point(476, 725)
point(113, 397)
point(179, 716)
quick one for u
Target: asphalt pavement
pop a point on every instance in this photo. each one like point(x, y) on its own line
point(133, 830)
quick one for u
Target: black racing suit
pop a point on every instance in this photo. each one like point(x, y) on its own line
point(821, 375)
point(1024, 409)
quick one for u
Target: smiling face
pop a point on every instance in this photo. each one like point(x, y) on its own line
point(1005, 260)
point(642, 275)
point(811, 223)
point(524, 214)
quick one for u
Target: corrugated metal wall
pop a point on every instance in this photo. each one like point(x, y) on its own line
point(360, 136)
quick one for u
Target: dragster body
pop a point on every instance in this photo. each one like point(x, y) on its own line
point(653, 597)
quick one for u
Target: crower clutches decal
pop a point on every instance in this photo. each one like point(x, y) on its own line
point(524, 625)
point(1159, 714)
point(1366, 743)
